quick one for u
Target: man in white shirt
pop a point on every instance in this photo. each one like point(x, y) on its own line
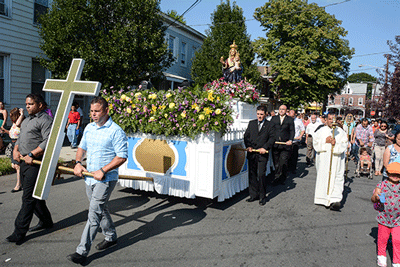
point(311, 127)
point(299, 130)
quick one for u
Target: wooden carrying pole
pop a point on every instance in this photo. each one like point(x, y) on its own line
point(330, 165)
point(66, 169)
point(244, 149)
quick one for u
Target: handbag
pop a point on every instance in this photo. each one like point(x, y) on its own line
point(9, 150)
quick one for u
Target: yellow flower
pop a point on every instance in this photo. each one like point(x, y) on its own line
point(153, 108)
point(162, 107)
point(207, 111)
point(133, 106)
point(171, 105)
point(153, 96)
point(168, 95)
point(129, 110)
point(217, 111)
point(151, 119)
point(201, 117)
point(138, 94)
point(165, 115)
point(218, 98)
point(110, 107)
point(194, 106)
point(183, 114)
point(123, 97)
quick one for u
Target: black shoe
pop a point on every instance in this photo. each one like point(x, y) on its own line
point(105, 244)
point(14, 191)
point(77, 258)
point(15, 238)
point(263, 201)
point(40, 226)
point(252, 199)
point(335, 206)
point(278, 182)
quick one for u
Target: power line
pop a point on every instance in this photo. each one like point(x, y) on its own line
point(284, 14)
point(187, 10)
point(371, 54)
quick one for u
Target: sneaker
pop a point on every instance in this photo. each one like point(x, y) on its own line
point(105, 244)
point(382, 261)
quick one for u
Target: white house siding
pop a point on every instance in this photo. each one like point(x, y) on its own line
point(20, 41)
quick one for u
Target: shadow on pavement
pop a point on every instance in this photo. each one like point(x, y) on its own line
point(163, 222)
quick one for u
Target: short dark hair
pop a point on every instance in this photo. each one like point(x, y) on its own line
point(99, 100)
point(38, 99)
point(362, 149)
point(263, 108)
point(364, 119)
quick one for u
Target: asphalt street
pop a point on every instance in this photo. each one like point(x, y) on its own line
point(157, 230)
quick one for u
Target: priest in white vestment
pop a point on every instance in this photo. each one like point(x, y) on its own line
point(322, 142)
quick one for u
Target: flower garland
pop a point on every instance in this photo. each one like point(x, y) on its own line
point(242, 90)
point(180, 112)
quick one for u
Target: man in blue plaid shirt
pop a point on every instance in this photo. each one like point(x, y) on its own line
point(106, 146)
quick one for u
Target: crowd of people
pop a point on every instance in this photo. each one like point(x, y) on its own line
point(331, 141)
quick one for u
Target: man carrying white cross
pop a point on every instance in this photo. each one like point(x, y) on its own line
point(31, 143)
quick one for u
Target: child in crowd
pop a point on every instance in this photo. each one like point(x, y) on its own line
point(365, 158)
point(387, 194)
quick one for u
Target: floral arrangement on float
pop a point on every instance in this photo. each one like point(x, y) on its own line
point(181, 112)
point(242, 90)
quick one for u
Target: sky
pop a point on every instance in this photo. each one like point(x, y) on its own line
point(369, 23)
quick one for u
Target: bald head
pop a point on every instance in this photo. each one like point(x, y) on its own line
point(282, 110)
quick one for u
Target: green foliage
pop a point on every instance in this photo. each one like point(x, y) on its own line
point(363, 77)
point(305, 46)
point(228, 25)
point(122, 41)
point(173, 14)
point(5, 166)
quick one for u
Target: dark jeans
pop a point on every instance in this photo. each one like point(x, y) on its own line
point(30, 205)
point(294, 157)
point(281, 160)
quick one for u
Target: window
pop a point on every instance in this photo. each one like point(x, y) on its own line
point(172, 46)
point(360, 101)
point(4, 78)
point(38, 78)
point(342, 101)
point(5, 7)
point(193, 51)
point(350, 101)
point(40, 8)
point(183, 53)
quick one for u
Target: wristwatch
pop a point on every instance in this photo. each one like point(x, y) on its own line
point(30, 155)
point(78, 162)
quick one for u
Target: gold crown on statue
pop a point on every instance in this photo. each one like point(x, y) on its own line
point(233, 46)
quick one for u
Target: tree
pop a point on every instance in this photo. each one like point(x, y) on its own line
point(363, 77)
point(390, 102)
point(173, 14)
point(304, 45)
point(122, 41)
point(228, 25)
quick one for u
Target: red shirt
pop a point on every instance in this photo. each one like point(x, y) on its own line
point(74, 117)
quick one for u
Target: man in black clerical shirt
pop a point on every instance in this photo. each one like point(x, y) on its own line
point(259, 135)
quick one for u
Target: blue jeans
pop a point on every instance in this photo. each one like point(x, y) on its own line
point(98, 216)
point(71, 133)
